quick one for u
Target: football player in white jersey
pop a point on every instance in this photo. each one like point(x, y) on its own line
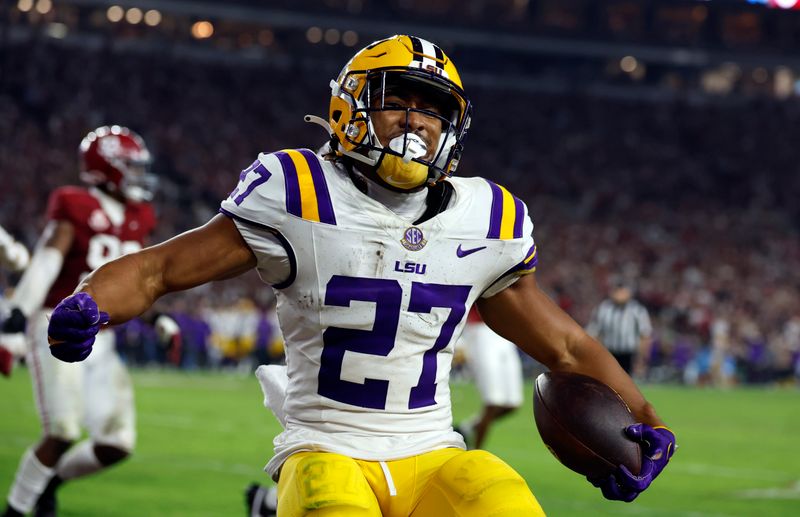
point(376, 252)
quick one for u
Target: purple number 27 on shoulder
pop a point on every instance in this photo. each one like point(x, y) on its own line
point(249, 179)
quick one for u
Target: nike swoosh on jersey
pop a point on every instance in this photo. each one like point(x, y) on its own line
point(463, 253)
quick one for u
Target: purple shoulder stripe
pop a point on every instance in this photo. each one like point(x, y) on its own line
point(519, 217)
point(293, 201)
point(496, 216)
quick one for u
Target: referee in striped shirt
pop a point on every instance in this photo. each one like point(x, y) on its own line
point(623, 326)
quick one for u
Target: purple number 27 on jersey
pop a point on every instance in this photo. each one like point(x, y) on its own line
point(249, 179)
point(387, 295)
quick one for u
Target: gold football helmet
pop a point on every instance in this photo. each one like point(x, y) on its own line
point(359, 91)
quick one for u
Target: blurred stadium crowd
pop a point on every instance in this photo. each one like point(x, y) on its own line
point(691, 199)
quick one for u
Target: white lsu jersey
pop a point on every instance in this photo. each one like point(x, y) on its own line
point(373, 304)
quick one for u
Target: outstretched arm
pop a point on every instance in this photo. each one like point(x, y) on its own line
point(129, 285)
point(525, 315)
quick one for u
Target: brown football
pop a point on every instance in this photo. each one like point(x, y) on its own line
point(582, 422)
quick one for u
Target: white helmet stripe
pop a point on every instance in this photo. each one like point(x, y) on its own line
point(429, 49)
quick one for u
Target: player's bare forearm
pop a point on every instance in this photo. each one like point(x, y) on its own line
point(591, 358)
point(123, 288)
point(526, 316)
point(128, 286)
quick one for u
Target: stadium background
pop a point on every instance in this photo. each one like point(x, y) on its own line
point(653, 141)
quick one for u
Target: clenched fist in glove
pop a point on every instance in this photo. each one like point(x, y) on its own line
point(658, 446)
point(73, 325)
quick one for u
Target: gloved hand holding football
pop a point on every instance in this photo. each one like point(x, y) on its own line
point(591, 430)
point(658, 446)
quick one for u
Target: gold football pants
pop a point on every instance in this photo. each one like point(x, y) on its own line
point(442, 483)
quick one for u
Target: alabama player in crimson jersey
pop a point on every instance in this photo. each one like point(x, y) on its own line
point(86, 227)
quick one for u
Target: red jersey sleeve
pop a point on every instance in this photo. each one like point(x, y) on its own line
point(150, 216)
point(57, 208)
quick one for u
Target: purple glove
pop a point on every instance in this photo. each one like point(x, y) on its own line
point(658, 446)
point(73, 325)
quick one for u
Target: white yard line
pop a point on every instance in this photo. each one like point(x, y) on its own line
point(790, 492)
point(700, 469)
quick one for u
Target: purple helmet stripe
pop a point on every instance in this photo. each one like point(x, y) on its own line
point(324, 204)
point(293, 202)
point(497, 212)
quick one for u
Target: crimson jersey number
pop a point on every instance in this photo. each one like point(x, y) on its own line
point(105, 248)
point(387, 294)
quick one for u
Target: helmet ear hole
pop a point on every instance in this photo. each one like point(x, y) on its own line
point(336, 115)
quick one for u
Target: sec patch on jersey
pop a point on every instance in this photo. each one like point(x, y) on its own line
point(582, 422)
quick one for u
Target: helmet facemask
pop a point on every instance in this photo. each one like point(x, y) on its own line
point(138, 184)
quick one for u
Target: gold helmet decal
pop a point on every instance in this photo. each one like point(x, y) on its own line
point(353, 98)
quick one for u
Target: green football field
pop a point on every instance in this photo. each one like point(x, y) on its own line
point(204, 436)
